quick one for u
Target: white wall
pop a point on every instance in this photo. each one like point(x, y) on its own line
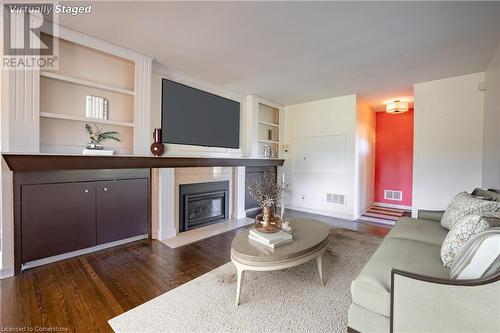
point(448, 135)
point(365, 157)
point(331, 121)
point(491, 138)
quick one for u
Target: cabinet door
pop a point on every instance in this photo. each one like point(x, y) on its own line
point(57, 218)
point(122, 209)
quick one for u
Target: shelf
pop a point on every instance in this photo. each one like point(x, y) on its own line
point(91, 84)
point(50, 162)
point(84, 119)
point(268, 123)
point(269, 141)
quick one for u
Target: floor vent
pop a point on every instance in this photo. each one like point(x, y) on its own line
point(335, 198)
point(393, 195)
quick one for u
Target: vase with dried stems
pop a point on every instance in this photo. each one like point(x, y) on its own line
point(268, 193)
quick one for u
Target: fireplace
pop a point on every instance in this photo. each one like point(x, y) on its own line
point(203, 203)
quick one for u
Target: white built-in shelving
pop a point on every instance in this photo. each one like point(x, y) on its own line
point(268, 128)
point(269, 141)
point(84, 71)
point(268, 123)
point(84, 119)
point(86, 83)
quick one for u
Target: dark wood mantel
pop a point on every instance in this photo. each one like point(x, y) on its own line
point(49, 162)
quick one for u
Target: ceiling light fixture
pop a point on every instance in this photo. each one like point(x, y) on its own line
point(396, 106)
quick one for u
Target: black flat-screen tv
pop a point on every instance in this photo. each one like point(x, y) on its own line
point(194, 117)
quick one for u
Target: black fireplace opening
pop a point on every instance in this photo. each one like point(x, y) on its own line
point(203, 203)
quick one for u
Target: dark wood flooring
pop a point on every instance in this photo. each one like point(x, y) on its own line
point(81, 294)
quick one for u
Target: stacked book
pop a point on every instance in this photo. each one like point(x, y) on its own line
point(98, 152)
point(270, 240)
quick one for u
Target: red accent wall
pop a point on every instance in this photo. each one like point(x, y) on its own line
point(394, 156)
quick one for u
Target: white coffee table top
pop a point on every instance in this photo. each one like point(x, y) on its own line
point(308, 236)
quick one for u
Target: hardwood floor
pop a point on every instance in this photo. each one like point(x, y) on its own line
point(81, 294)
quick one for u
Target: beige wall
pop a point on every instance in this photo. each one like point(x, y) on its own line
point(321, 159)
point(448, 139)
point(365, 157)
point(491, 137)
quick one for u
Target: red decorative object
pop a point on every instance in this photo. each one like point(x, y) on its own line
point(157, 147)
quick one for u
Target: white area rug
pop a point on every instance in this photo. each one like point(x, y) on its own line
point(290, 300)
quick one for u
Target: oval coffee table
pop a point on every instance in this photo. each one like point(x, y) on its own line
point(310, 240)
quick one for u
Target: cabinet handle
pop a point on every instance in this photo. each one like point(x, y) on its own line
point(105, 189)
point(86, 191)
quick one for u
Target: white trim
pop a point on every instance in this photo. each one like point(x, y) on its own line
point(95, 43)
point(321, 212)
point(6, 272)
point(182, 78)
point(72, 254)
point(142, 106)
point(383, 204)
point(269, 141)
point(267, 102)
point(92, 84)
point(84, 119)
point(239, 192)
point(166, 227)
point(268, 123)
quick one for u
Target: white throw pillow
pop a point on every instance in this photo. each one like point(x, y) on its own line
point(461, 232)
point(479, 258)
point(464, 204)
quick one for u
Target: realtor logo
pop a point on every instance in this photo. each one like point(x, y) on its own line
point(28, 37)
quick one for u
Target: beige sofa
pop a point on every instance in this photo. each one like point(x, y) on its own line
point(404, 287)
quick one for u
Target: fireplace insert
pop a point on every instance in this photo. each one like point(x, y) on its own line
point(203, 203)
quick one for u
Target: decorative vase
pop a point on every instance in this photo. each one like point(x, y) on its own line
point(94, 146)
point(267, 222)
point(157, 147)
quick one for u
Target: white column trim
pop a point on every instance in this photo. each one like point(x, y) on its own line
point(239, 192)
point(166, 204)
point(142, 106)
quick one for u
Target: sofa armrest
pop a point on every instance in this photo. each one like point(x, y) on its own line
point(426, 304)
point(432, 215)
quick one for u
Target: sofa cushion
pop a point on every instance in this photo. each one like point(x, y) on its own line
point(464, 204)
point(419, 230)
point(363, 320)
point(371, 289)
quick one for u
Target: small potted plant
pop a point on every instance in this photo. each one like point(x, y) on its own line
point(268, 193)
point(97, 135)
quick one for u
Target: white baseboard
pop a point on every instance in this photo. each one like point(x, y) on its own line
point(321, 212)
point(6, 272)
point(72, 254)
point(383, 204)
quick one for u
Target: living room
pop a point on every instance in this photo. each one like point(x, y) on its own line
point(250, 166)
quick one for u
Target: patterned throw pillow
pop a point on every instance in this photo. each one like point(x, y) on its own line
point(479, 258)
point(464, 204)
point(461, 232)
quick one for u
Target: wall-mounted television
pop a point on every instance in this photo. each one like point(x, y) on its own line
point(194, 117)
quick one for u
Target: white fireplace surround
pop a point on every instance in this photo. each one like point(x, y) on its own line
point(165, 194)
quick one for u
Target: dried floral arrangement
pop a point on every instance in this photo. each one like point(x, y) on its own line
point(266, 190)
point(96, 134)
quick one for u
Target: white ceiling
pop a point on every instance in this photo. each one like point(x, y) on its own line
point(292, 52)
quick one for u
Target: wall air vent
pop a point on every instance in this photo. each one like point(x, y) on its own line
point(338, 199)
point(393, 195)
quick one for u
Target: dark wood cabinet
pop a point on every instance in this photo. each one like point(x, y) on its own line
point(64, 211)
point(252, 207)
point(122, 209)
point(57, 218)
